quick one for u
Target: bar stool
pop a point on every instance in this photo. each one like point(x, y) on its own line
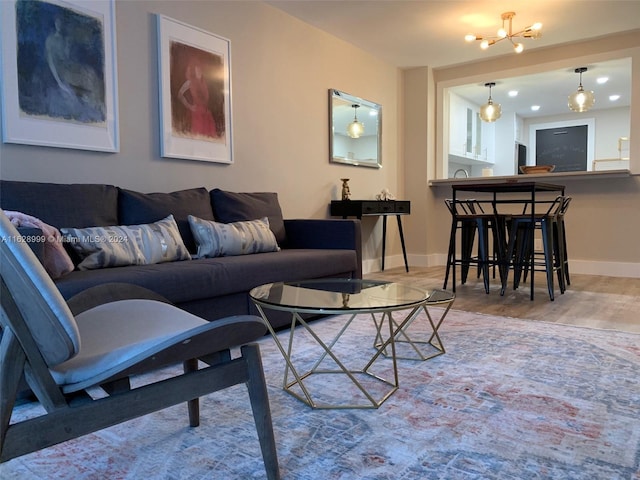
point(469, 217)
point(519, 254)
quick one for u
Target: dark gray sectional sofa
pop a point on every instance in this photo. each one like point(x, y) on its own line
point(212, 288)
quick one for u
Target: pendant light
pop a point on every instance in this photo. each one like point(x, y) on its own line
point(581, 100)
point(490, 112)
point(355, 128)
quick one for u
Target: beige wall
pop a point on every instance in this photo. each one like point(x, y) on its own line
point(281, 72)
point(603, 222)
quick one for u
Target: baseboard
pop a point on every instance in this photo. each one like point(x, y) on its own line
point(607, 269)
point(582, 267)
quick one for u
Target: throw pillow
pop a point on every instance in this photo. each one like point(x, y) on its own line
point(238, 238)
point(231, 207)
point(118, 246)
point(135, 208)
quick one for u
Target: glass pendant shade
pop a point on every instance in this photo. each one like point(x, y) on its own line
point(355, 128)
point(490, 112)
point(581, 100)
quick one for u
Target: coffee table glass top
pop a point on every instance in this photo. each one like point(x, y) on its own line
point(337, 295)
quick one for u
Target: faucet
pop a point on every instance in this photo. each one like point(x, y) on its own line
point(466, 174)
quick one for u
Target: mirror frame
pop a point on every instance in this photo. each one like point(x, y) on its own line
point(337, 97)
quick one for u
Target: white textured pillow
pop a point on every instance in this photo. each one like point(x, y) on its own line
point(238, 238)
point(117, 246)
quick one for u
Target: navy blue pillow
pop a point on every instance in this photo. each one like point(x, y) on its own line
point(240, 207)
point(135, 208)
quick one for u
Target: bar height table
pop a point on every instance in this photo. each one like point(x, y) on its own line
point(495, 188)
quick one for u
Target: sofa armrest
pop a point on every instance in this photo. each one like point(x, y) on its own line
point(326, 233)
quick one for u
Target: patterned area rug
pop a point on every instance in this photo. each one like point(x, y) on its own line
point(510, 399)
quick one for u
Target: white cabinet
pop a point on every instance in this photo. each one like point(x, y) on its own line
point(471, 140)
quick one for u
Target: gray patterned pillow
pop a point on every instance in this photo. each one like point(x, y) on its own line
point(238, 238)
point(117, 246)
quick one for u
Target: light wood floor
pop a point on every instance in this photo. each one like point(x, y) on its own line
point(590, 301)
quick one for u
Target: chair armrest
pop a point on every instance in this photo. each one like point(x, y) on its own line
point(325, 233)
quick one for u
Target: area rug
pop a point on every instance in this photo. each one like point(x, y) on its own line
point(510, 399)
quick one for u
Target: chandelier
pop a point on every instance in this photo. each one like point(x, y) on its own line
point(581, 100)
point(533, 31)
point(355, 128)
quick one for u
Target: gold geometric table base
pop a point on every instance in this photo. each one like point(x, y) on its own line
point(363, 388)
point(419, 345)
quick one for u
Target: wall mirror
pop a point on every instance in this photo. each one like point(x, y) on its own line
point(532, 104)
point(355, 130)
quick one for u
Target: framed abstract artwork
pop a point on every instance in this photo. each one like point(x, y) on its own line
point(59, 80)
point(195, 93)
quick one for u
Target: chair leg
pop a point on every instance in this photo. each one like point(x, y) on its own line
point(450, 257)
point(483, 254)
point(193, 406)
point(547, 244)
point(261, 412)
point(10, 375)
point(467, 239)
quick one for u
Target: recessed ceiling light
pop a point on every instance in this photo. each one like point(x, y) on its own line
point(513, 93)
point(613, 98)
point(535, 108)
point(602, 80)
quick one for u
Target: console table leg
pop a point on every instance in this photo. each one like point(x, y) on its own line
point(384, 237)
point(404, 250)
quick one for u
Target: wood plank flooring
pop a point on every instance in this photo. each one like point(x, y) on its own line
point(590, 301)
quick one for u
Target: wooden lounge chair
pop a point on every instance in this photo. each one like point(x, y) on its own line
point(60, 355)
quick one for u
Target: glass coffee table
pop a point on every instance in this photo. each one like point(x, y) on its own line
point(392, 308)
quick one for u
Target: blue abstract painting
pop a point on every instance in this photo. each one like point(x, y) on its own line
point(60, 63)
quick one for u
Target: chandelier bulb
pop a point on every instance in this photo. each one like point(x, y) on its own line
point(518, 47)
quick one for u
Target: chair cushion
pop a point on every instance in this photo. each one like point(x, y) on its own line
point(231, 207)
point(118, 335)
point(115, 333)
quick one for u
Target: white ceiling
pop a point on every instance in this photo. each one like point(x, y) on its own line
point(418, 33)
point(431, 33)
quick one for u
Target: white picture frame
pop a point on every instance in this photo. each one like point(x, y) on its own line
point(195, 93)
point(59, 87)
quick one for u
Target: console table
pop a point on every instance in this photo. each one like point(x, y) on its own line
point(380, 208)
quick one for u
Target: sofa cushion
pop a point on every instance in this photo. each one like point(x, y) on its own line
point(206, 278)
point(63, 205)
point(216, 239)
point(117, 246)
point(237, 207)
point(135, 208)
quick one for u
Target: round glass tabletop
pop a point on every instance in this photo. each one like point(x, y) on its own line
point(338, 295)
